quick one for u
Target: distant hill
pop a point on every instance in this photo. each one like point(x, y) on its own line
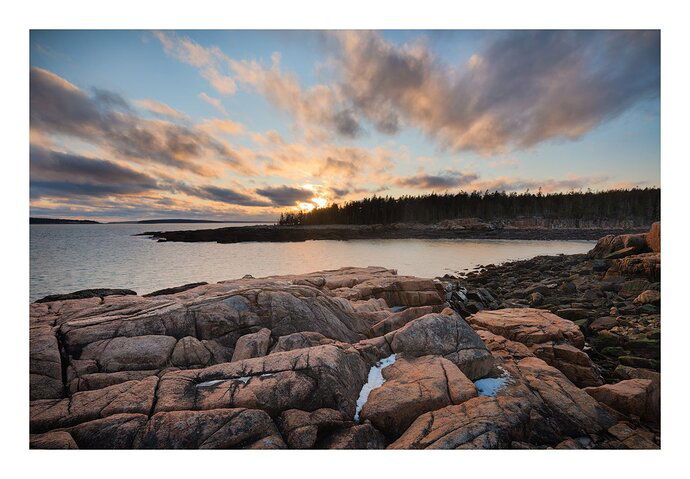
point(60, 221)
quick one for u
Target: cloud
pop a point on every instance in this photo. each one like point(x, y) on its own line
point(54, 173)
point(222, 126)
point(214, 102)
point(210, 61)
point(146, 208)
point(60, 108)
point(159, 108)
point(62, 175)
point(323, 162)
point(443, 180)
point(505, 183)
point(318, 111)
point(337, 167)
point(220, 194)
point(346, 123)
point(286, 195)
point(521, 89)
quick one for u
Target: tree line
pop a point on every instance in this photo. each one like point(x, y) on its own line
point(639, 205)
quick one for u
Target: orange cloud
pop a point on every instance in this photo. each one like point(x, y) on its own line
point(209, 60)
point(159, 108)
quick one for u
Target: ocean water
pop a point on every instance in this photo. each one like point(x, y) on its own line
point(66, 258)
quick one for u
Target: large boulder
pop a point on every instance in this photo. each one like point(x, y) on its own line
point(653, 238)
point(528, 326)
point(648, 296)
point(252, 345)
point(572, 362)
point(130, 353)
point(612, 246)
point(647, 265)
point(413, 387)
point(632, 397)
point(190, 352)
point(538, 405)
point(128, 397)
point(549, 337)
point(118, 431)
point(446, 335)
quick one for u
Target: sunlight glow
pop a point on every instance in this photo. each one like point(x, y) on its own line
point(320, 202)
point(306, 206)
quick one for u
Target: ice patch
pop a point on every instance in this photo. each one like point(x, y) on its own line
point(266, 375)
point(207, 384)
point(210, 383)
point(490, 386)
point(375, 380)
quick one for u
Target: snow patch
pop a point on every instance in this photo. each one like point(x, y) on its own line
point(375, 380)
point(490, 386)
point(207, 384)
point(210, 383)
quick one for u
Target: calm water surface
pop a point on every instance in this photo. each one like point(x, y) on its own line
point(66, 258)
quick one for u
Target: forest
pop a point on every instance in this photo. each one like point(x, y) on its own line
point(640, 205)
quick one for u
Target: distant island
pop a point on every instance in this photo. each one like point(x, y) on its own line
point(60, 221)
point(163, 221)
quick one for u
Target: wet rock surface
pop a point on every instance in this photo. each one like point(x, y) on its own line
point(285, 361)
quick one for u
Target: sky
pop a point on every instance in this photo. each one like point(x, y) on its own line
point(245, 125)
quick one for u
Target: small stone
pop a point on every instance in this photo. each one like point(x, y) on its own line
point(536, 299)
point(648, 296)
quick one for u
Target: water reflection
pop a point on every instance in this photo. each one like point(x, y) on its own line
point(66, 258)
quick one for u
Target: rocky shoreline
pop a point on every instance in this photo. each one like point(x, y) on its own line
point(444, 230)
point(553, 352)
point(613, 296)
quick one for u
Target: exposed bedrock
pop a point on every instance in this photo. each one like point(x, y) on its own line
point(350, 358)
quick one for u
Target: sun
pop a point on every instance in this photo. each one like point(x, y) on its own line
point(318, 201)
point(307, 207)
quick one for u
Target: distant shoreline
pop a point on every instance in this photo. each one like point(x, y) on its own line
point(61, 221)
point(351, 232)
